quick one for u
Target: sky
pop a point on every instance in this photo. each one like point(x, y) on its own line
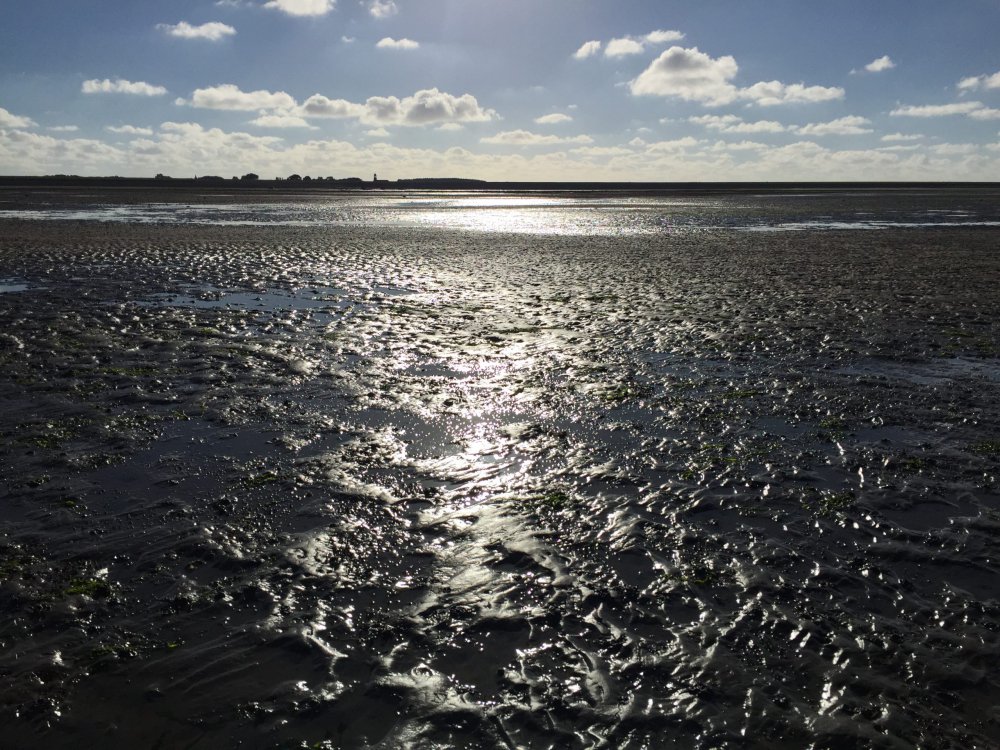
point(569, 90)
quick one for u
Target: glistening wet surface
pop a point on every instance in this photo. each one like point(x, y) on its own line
point(285, 486)
point(579, 212)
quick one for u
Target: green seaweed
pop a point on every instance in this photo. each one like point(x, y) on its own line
point(124, 650)
point(625, 392)
point(261, 480)
point(14, 567)
point(989, 448)
point(552, 500)
point(131, 372)
point(914, 464)
point(959, 333)
point(741, 393)
point(828, 502)
point(95, 588)
point(835, 424)
point(698, 572)
point(133, 422)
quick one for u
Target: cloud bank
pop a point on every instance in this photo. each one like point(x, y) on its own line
point(184, 149)
point(280, 109)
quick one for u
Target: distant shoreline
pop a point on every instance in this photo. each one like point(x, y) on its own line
point(457, 184)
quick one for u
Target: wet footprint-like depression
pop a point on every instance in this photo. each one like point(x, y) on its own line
point(409, 487)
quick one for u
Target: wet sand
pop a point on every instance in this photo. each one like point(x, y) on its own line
point(346, 488)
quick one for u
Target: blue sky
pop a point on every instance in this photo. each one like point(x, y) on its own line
point(511, 90)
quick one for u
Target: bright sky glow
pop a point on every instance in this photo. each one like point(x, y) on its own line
point(518, 90)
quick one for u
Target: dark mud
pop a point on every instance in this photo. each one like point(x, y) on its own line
point(346, 488)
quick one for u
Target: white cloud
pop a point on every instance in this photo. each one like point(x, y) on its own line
point(553, 119)
point(770, 93)
point(174, 131)
point(64, 128)
point(302, 7)
point(663, 36)
point(281, 121)
point(348, 39)
point(121, 86)
point(377, 133)
point(451, 127)
point(527, 138)
point(969, 84)
point(390, 43)
point(985, 113)
point(954, 149)
point(128, 130)
point(587, 49)
point(383, 8)
point(627, 45)
point(734, 124)
point(850, 125)
point(318, 105)
point(973, 83)
point(230, 97)
point(688, 74)
point(33, 153)
point(678, 144)
point(9, 120)
point(601, 151)
point(692, 75)
point(213, 31)
point(900, 137)
point(882, 63)
point(623, 47)
point(936, 110)
point(426, 107)
point(739, 146)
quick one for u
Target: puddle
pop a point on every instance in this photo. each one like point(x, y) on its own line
point(12, 285)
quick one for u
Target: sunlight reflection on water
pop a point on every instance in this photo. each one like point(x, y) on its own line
point(543, 214)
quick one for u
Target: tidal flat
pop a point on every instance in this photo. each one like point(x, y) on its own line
point(306, 485)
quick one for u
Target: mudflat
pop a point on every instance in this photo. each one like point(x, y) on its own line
point(349, 486)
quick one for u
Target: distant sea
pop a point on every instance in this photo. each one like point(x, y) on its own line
point(590, 214)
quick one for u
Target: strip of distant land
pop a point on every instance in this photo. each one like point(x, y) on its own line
point(294, 182)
